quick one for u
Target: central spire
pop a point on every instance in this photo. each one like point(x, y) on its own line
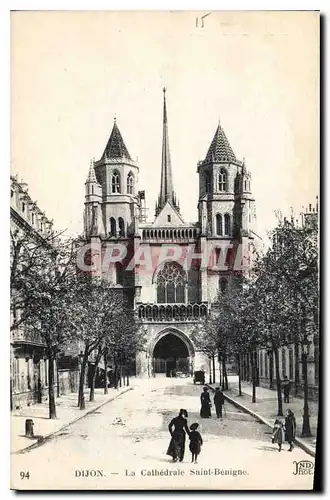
point(166, 181)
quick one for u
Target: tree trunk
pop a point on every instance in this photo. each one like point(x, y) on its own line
point(226, 377)
point(116, 378)
point(253, 368)
point(239, 374)
point(105, 371)
point(81, 396)
point(223, 373)
point(51, 395)
point(306, 429)
point(296, 369)
point(278, 385)
point(213, 368)
point(220, 377)
point(57, 377)
point(271, 370)
point(92, 388)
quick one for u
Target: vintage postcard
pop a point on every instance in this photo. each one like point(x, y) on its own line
point(164, 250)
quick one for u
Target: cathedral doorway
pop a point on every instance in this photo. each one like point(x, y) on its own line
point(171, 356)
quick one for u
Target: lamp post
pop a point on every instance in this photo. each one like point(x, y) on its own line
point(306, 430)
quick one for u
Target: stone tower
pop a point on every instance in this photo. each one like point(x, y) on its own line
point(117, 173)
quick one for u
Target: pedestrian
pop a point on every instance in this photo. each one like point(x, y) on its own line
point(219, 401)
point(206, 404)
point(178, 428)
point(278, 433)
point(290, 428)
point(196, 442)
point(286, 384)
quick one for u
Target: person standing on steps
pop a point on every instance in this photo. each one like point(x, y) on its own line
point(290, 428)
point(219, 401)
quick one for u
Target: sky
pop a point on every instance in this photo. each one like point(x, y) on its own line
point(256, 72)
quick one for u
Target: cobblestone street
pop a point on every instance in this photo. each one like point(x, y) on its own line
point(130, 436)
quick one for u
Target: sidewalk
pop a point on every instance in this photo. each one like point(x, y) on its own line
point(67, 413)
point(265, 409)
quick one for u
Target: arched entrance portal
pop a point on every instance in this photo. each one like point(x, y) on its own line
point(171, 355)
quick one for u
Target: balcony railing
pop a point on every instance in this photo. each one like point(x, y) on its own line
point(171, 312)
point(20, 336)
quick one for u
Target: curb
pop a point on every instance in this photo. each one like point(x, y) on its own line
point(51, 435)
point(262, 420)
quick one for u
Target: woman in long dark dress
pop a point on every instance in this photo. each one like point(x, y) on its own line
point(206, 404)
point(178, 428)
point(290, 428)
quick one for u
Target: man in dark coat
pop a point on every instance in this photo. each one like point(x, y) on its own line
point(219, 401)
point(286, 389)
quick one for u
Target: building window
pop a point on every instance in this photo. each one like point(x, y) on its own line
point(113, 231)
point(283, 363)
point(218, 223)
point(222, 180)
point(266, 364)
point(23, 207)
point(16, 383)
point(168, 218)
point(32, 217)
point(227, 224)
point(46, 371)
point(207, 179)
point(261, 366)
point(119, 274)
point(121, 226)
point(290, 364)
point(223, 285)
point(171, 281)
point(115, 182)
point(130, 182)
point(11, 193)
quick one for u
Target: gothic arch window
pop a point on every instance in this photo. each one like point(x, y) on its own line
point(119, 274)
point(227, 224)
point(121, 226)
point(223, 285)
point(113, 231)
point(130, 183)
point(222, 180)
point(171, 281)
point(218, 224)
point(115, 182)
point(207, 180)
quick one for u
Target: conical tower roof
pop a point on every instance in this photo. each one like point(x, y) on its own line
point(220, 149)
point(115, 148)
point(91, 174)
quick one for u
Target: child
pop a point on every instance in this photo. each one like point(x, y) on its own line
point(278, 433)
point(196, 442)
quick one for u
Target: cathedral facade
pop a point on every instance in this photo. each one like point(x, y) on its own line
point(171, 272)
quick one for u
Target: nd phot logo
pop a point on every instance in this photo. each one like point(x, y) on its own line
point(303, 467)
